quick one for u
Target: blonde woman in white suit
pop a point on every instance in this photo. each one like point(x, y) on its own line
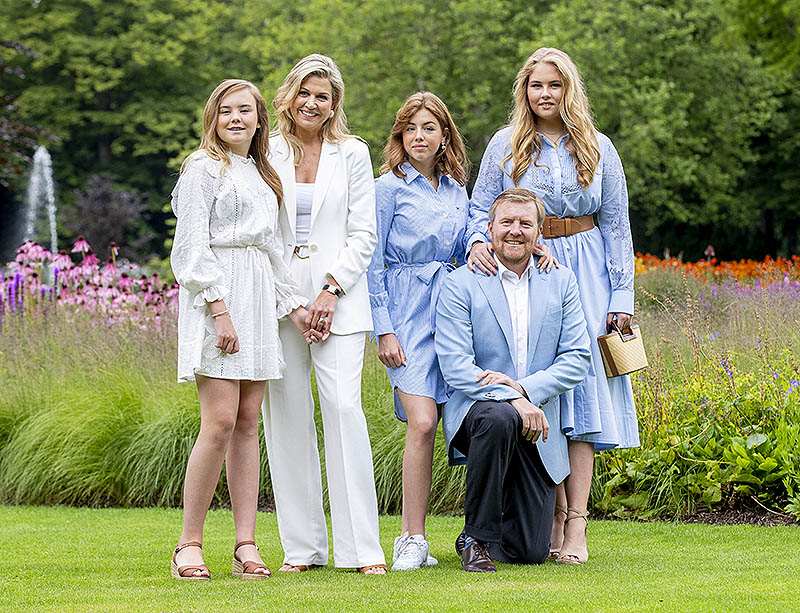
point(328, 225)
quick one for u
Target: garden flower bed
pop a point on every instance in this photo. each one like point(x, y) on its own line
point(91, 413)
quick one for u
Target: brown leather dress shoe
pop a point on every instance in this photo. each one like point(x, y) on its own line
point(475, 558)
point(460, 541)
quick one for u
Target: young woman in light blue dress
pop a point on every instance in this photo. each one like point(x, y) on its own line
point(552, 148)
point(422, 209)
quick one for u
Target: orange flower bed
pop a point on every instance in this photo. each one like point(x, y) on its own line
point(766, 270)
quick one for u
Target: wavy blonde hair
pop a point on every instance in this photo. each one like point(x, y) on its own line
point(334, 129)
point(526, 141)
point(451, 160)
point(217, 149)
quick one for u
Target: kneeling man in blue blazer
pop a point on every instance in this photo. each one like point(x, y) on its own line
point(508, 346)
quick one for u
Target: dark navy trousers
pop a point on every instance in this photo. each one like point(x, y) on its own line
point(510, 498)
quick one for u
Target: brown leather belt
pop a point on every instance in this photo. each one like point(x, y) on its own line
point(566, 226)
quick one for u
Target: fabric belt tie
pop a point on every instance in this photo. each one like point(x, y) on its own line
point(433, 275)
point(555, 227)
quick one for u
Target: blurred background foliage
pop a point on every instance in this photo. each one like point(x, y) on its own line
point(699, 97)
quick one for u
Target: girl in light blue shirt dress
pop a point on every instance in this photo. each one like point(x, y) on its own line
point(421, 210)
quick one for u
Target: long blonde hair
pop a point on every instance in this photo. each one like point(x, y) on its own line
point(335, 128)
point(213, 146)
point(526, 142)
point(451, 160)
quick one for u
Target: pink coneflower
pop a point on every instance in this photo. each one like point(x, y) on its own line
point(81, 245)
point(709, 252)
point(125, 282)
point(107, 293)
point(89, 260)
point(62, 260)
point(110, 267)
point(40, 253)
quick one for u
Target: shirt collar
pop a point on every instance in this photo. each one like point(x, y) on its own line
point(412, 173)
point(501, 270)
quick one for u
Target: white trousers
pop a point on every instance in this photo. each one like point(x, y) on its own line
point(291, 438)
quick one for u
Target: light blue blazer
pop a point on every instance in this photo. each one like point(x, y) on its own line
point(474, 333)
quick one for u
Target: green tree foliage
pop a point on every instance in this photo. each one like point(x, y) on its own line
point(16, 137)
point(772, 30)
point(675, 94)
point(119, 82)
point(696, 98)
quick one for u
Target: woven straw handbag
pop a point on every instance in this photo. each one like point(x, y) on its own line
point(622, 351)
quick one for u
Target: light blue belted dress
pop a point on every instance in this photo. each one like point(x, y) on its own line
point(600, 410)
point(420, 239)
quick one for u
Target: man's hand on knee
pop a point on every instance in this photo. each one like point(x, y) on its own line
point(488, 377)
point(534, 421)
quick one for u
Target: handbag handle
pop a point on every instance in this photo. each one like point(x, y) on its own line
point(626, 334)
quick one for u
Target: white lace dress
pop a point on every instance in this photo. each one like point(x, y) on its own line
point(228, 246)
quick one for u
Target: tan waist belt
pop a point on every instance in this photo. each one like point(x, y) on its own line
point(566, 226)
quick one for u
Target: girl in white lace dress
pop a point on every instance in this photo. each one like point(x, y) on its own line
point(552, 148)
point(234, 286)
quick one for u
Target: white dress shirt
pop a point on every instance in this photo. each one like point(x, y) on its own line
point(517, 296)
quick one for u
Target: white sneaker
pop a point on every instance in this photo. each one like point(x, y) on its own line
point(398, 545)
point(411, 552)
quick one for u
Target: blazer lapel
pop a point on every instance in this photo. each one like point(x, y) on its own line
point(492, 288)
point(282, 161)
point(538, 297)
point(325, 171)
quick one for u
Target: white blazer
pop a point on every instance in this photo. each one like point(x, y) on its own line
point(342, 236)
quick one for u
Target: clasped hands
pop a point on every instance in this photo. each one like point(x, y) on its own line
point(315, 325)
point(534, 421)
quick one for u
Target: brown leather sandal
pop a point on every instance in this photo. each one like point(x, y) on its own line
point(186, 573)
point(554, 552)
point(574, 558)
point(247, 570)
point(372, 567)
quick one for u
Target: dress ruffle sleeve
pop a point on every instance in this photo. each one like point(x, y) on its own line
point(615, 227)
point(378, 296)
point(193, 262)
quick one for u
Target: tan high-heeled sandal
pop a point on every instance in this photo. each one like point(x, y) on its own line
point(572, 558)
point(297, 568)
point(559, 509)
point(247, 570)
point(187, 572)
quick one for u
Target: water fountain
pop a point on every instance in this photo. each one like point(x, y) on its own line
point(40, 191)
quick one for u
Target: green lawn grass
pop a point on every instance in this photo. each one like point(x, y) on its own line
point(64, 558)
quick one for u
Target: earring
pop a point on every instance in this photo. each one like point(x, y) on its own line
point(443, 145)
point(331, 113)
